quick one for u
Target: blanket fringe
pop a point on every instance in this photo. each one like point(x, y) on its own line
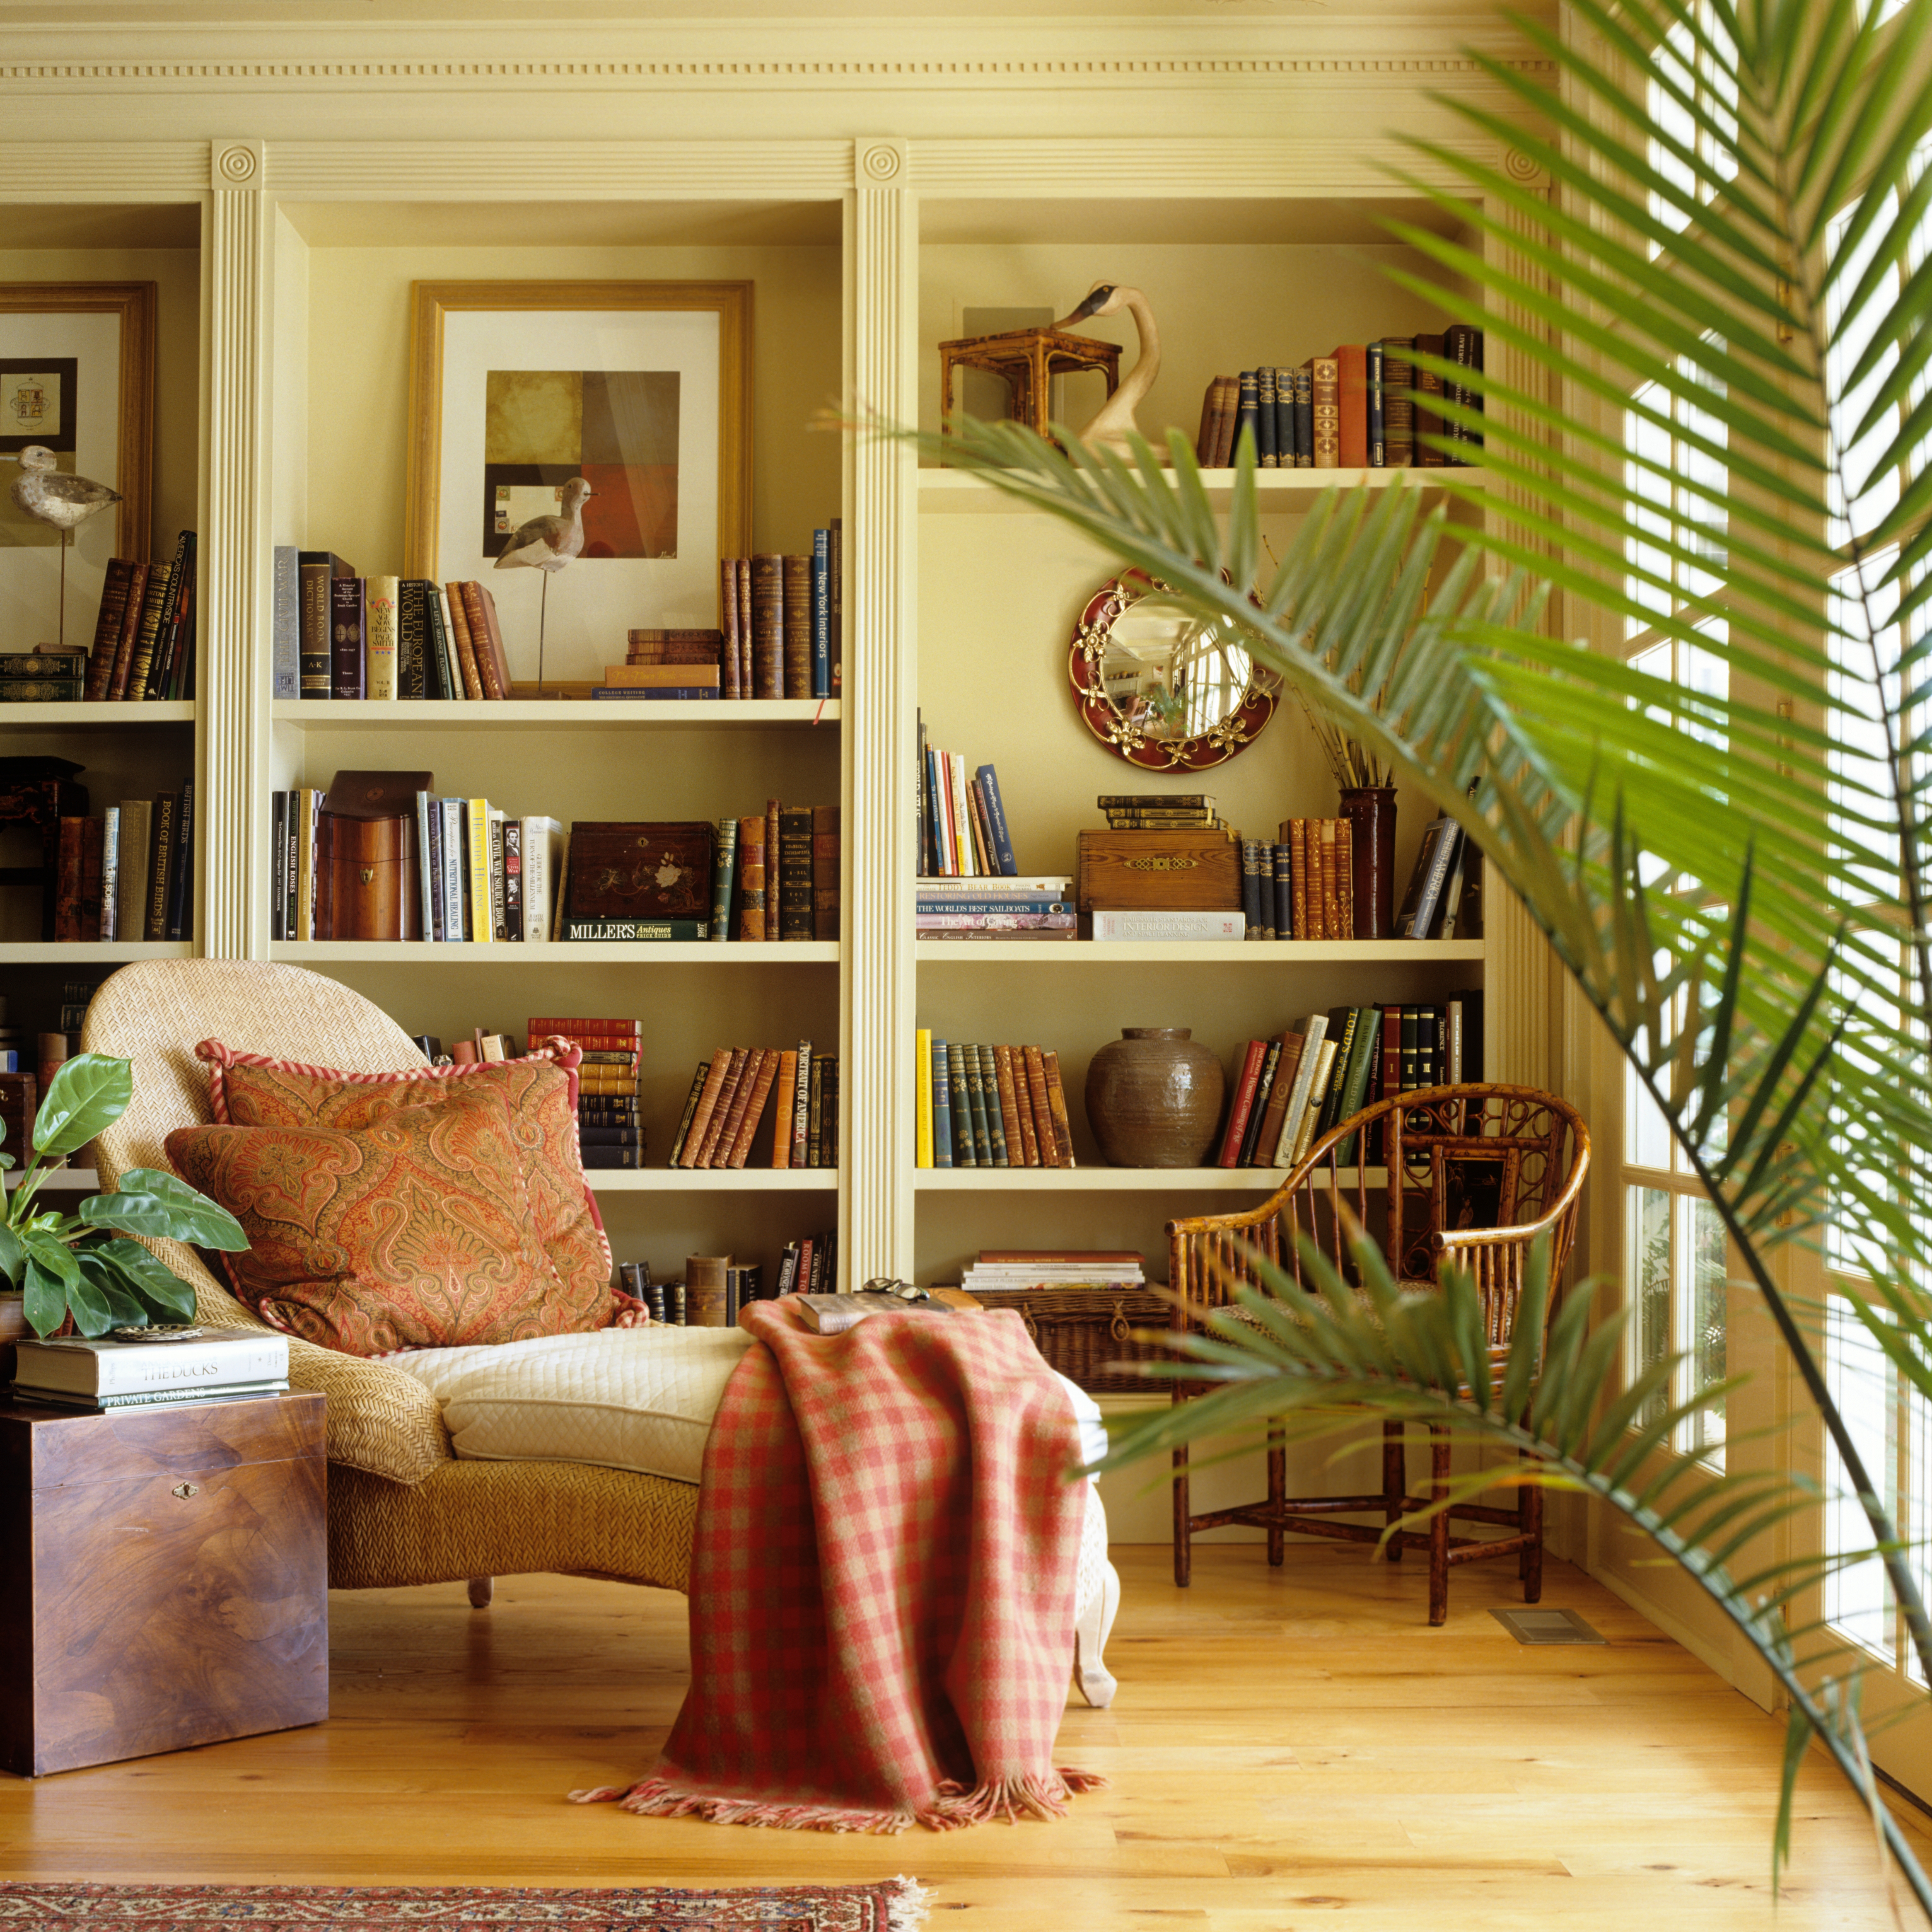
point(1006, 1798)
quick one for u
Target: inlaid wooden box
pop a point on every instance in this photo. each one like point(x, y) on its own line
point(164, 1579)
point(1174, 871)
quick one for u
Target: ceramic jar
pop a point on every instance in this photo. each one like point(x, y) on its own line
point(1153, 1098)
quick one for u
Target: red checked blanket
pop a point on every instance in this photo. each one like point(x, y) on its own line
point(882, 1585)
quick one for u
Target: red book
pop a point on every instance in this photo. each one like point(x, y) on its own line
point(1351, 374)
point(1245, 1083)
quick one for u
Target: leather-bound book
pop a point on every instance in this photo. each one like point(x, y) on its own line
point(771, 868)
point(459, 636)
point(1204, 439)
point(795, 894)
point(1351, 399)
point(1227, 406)
point(174, 641)
point(486, 640)
point(1428, 416)
point(107, 627)
point(1032, 1064)
point(825, 872)
point(1018, 1152)
point(1463, 346)
point(727, 624)
point(19, 1100)
point(641, 869)
point(155, 604)
point(707, 1140)
point(131, 629)
point(93, 860)
point(347, 615)
point(751, 879)
point(748, 682)
point(67, 880)
point(1056, 1099)
point(768, 627)
point(315, 571)
point(740, 1122)
point(764, 1077)
point(1398, 401)
point(784, 1084)
point(1325, 403)
point(797, 627)
point(1304, 416)
point(719, 1065)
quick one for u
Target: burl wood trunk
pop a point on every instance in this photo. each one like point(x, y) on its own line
point(163, 1578)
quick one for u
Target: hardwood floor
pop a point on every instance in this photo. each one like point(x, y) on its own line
point(1289, 1748)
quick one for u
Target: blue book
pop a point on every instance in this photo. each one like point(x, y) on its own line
point(1378, 427)
point(821, 614)
point(996, 821)
point(942, 1106)
point(287, 622)
point(658, 692)
point(10, 1060)
point(936, 794)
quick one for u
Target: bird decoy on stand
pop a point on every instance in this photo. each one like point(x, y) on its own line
point(64, 502)
point(1113, 423)
point(548, 543)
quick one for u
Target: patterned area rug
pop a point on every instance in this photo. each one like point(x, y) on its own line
point(891, 1905)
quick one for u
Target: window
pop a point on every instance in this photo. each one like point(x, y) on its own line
point(1693, 92)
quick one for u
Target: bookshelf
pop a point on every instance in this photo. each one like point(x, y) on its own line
point(286, 267)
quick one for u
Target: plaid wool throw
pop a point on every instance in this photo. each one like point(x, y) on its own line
point(882, 1585)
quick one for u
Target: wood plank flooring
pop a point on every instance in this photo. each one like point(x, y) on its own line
point(1291, 1749)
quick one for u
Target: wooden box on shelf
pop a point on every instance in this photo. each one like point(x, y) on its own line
point(1087, 1333)
point(167, 1583)
point(1174, 871)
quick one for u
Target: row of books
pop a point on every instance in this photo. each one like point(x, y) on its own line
point(1439, 897)
point(337, 635)
point(610, 1127)
point(1362, 406)
point(1301, 885)
point(998, 908)
point(1289, 1091)
point(102, 1375)
point(989, 1106)
point(760, 1107)
point(782, 618)
point(810, 1265)
point(962, 821)
point(128, 874)
point(802, 902)
point(1160, 811)
point(143, 643)
point(1004, 1270)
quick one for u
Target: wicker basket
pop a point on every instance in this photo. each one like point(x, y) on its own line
point(1087, 1333)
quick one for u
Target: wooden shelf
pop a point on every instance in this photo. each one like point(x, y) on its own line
point(61, 1180)
point(712, 1180)
point(91, 952)
point(1198, 952)
point(565, 952)
point(1259, 1181)
point(411, 714)
point(962, 492)
point(100, 717)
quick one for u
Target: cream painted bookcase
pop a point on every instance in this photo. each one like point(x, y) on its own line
point(285, 267)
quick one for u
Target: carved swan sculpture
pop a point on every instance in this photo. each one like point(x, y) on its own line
point(1114, 422)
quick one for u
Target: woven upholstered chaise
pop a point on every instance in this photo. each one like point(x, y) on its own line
point(403, 1508)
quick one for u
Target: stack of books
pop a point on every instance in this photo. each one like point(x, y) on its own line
point(128, 874)
point(760, 1107)
point(1301, 884)
point(95, 1377)
point(963, 832)
point(1289, 1091)
point(1159, 811)
point(143, 638)
point(989, 1106)
point(1432, 907)
point(1040, 908)
point(1362, 406)
point(782, 617)
point(610, 1133)
point(810, 1265)
point(337, 635)
point(1002, 1270)
point(47, 676)
point(663, 666)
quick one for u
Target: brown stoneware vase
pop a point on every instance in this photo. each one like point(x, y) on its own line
point(1370, 811)
point(1153, 1098)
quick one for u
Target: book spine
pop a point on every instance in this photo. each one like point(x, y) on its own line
point(107, 886)
point(107, 624)
point(724, 868)
point(476, 858)
point(1056, 1098)
point(1203, 438)
point(658, 929)
point(826, 893)
point(444, 680)
point(717, 1069)
point(728, 623)
point(429, 859)
point(976, 1106)
point(729, 1115)
point(768, 625)
point(1022, 1144)
point(835, 566)
point(1251, 888)
point(801, 1112)
point(181, 884)
point(1325, 403)
point(751, 877)
point(815, 1117)
point(347, 607)
point(1006, 863)
point(1352, 400)
point(1245, 1082)
point(942, 1102)
point(1267, 452)
point(510, 840)
point(1258, 1110)
point(1398, 399)
point(764, 1076)
point(412, 637)
point(1428, 386)
point(960, 1107)
point(1247, 415)
point(67, 882)
point(795, 888)
point(797, 571)
point(922, 1119)
point(379, 638)
point(154, 605)
point(821, 614)
point(1029, 1074)
point(464, 641)
point(691, 1100)
point(1376, 373)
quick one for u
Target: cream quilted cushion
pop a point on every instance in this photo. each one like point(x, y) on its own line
point(639, 1398)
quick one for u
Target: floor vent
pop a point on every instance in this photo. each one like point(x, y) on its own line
point(1547, 1626)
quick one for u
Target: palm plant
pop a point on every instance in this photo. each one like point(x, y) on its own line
point(1732, 261)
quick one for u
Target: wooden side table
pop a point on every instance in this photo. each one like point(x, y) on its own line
point(164, 1578)
point(1028, 359)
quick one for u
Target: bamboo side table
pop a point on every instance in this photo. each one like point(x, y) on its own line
point(1028, 359)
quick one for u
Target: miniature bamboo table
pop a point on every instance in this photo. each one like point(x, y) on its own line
point(1026, 358)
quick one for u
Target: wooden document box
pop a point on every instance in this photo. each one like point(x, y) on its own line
point(1169, 871)
point(166, 1578)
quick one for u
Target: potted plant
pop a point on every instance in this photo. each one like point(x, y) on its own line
point(86, 1265)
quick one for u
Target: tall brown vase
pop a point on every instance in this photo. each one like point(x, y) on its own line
point(1370, 811)
point(1153, 1098)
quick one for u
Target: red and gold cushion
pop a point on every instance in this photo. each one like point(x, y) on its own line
point(540, 1093)
point(413, 1231)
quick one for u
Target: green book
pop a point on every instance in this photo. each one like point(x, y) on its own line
point(637, 929)
point(976, 1101)
point(1363, 1050)
point(996, 1118)
point(1342, 1031)
point(963, 1155)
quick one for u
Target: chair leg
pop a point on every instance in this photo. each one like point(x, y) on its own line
point(1529, 1515)
point(1438, 1528)
point(1184, 1552)
point(1091, 1628)
point(482, 1589)
point(1395, 1478)
point(1277, 1476)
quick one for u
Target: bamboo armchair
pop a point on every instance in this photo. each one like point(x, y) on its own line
point(1471, 1173)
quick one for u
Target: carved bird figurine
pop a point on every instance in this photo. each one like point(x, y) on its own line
point(549, 543)
point(49, 497)
point(1114, 421)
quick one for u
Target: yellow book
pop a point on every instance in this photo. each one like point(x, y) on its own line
point(481, 927)
point(922, 1133)
point(379, 676)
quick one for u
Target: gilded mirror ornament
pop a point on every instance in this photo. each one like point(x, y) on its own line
point(1163, 690)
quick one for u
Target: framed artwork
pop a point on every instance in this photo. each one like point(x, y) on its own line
point(77, 377)
point(641, 388)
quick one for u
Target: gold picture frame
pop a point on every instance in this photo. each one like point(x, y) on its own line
point(485, 353)
point(54, 335)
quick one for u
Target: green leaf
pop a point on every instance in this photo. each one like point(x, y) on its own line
point(44, 1298)
point(156, 1288)
point(124, 1306)
point(150, 1202)
point(89, 1092)
point(13, 1256)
